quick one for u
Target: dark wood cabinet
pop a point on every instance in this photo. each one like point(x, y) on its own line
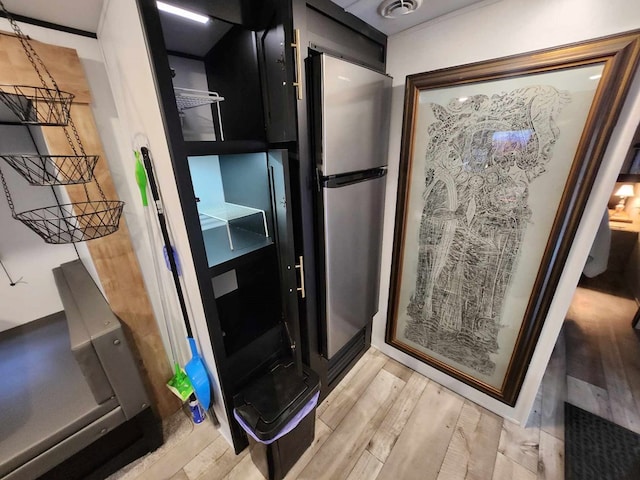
point(242, 166)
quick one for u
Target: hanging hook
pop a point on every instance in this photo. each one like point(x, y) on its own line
point(139, 140)
point(11, 282)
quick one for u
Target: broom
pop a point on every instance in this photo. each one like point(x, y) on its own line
point(179, 383)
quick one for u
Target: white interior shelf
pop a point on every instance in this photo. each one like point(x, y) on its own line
point(190, 98)
point(230, 211)
point(187, 98)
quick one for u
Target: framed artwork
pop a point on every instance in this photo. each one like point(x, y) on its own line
point(497, 162)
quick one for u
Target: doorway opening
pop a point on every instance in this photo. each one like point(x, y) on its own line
point(598, 350)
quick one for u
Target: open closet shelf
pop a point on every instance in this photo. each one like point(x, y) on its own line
point(219, 254)
point(230, 211)
point(189, 98)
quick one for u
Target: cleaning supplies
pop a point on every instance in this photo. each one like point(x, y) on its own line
point(197, 412)
point(179, 383)
point(195, 368)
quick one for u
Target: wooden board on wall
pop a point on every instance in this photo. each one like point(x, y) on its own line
point(63, 64)
point(113, 256)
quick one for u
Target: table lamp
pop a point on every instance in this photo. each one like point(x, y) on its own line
point(624, 192)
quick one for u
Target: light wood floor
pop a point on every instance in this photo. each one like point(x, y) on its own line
point(603, 357)
point(385, 421)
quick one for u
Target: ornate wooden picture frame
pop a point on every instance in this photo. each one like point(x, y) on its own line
point(497, 161)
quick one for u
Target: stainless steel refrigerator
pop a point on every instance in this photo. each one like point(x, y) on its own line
point(350, 125)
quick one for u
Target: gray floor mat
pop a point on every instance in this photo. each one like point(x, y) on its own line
point(598, 449)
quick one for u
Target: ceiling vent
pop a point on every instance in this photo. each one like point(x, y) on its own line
point(398, 8)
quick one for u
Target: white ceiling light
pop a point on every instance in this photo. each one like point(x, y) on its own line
point(181, 12)
point(398, 8)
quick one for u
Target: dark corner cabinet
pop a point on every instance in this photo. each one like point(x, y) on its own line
point(237, 108)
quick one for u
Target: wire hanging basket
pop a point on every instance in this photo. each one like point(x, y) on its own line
point(46, 170)
point(60, 223)
point(37, 105)
point(73, 222)
point(45, 104)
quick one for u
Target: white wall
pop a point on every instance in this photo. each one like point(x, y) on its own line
point(132, 81)
point(23, 252)
point(25, 255)
point(493, 30)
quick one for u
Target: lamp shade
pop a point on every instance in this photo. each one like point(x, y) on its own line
point(625, 191)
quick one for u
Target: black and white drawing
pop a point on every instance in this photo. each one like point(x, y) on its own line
point(482, 154)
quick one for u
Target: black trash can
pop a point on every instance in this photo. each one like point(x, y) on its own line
point(278, 412)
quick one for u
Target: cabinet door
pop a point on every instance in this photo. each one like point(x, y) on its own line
point(279, 178)
point(277, 69)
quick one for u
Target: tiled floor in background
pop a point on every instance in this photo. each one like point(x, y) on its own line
point(385, 421)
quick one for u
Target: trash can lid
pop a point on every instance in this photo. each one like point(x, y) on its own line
point(267, 404)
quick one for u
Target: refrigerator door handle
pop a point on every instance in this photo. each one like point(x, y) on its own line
point(300, 266)
point(351, 178)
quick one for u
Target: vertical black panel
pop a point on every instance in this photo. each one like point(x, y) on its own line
point(301, 170)
point(232, 71)
point(277, 71)
point(280, 179)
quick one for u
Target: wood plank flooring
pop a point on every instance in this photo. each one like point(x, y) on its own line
point(387, 422)
point(603, 357)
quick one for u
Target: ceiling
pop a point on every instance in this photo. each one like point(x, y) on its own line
point(80, 14)
point(367, 10)
point(85, 14)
